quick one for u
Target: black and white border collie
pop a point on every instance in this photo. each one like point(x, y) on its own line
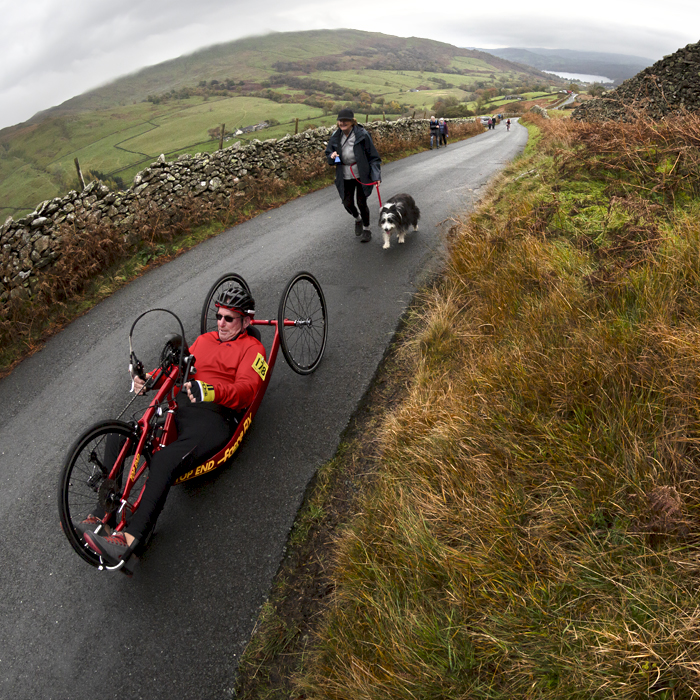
point(397, 214)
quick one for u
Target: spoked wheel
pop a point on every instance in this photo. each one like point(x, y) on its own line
point(85, 487)
point(225, 283)
point(302, 323)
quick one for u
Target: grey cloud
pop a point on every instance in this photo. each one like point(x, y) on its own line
point(75, 47)
point(66, 35)
point(71, 46)
point(583, 36)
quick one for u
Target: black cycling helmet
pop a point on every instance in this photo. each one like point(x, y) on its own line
point(237, 299)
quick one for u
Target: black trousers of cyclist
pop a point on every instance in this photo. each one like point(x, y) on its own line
point(350, 187)
point(202, 430)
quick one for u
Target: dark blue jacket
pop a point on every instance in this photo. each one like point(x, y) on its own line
point(368, 162)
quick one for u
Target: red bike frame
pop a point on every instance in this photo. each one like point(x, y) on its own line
point(164, 395)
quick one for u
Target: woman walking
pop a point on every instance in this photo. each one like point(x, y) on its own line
point(434, 132)
point(357, 164)
point(444, 131)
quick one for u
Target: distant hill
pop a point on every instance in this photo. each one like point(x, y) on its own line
point(298, 53)
point(617, 67)
point(282, 80)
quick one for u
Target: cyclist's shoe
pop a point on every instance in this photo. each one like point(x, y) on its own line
point(358, 227)
point(111, 548)
point(366, 236)
point(91, 523)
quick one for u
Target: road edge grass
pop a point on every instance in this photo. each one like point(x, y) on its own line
point(301, 590)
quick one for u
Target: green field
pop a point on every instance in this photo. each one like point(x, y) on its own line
point(20, 182)
point(192, 125)
point(122, 141)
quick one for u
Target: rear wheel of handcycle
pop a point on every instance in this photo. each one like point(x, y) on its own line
point(84, 486)
point(304, 340)
point(225, 283)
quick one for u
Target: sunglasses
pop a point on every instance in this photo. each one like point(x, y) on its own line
point(225, 317)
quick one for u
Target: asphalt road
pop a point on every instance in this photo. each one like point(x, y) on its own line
point(177, 628)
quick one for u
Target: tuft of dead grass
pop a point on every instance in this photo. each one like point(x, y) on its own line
point(652, 158)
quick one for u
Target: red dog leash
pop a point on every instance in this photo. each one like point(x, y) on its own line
point(369, 184)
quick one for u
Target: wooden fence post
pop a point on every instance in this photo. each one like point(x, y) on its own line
point(296, 125)
point(384, 115)
point(221, 136)
point(80, 173)
point(366, 118)
point(414, 114)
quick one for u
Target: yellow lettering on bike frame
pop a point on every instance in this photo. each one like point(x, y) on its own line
point(132, 473)
point(211, 464)
point(184, 477)
point(204, 468)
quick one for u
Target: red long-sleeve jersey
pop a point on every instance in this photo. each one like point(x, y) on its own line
point(235, 368)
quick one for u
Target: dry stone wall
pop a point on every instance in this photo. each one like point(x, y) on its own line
point(670, 85)
point(30, 245)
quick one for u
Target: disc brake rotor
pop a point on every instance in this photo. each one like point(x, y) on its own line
point(108, 496)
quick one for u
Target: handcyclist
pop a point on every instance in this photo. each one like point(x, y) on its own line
point(225, 382)
point(357, 164)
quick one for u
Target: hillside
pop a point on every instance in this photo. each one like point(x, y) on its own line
point(617, 67)
point(297, 53)
point(176, 107)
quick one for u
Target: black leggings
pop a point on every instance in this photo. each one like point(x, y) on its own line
point(202, 430)
point(349, 189)
point(201, 433)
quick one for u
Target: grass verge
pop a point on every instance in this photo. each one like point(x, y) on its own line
point(529, 525)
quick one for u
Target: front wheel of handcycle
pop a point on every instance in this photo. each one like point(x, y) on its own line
point(85, 487)
point(302, 323)
point(223, 284)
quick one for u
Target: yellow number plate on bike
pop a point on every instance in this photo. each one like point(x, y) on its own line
point(260, 366)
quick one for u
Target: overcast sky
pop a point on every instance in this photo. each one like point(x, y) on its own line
point(52, 50)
